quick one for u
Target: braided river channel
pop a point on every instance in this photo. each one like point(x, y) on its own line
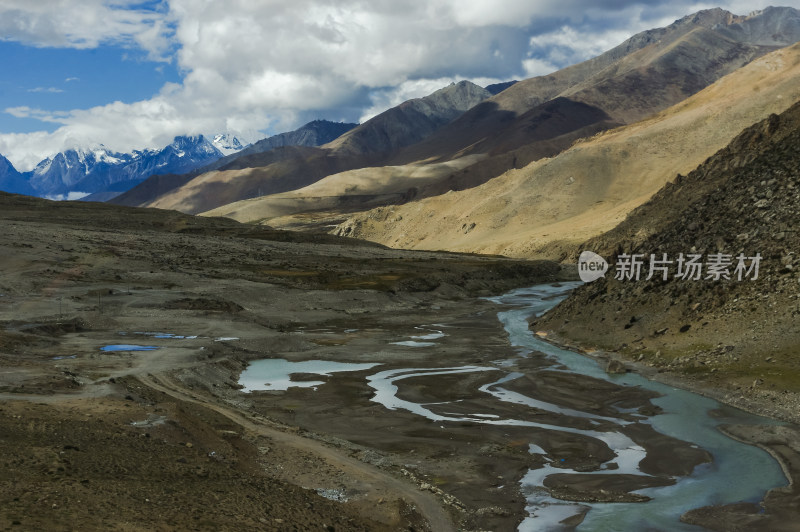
point(620, 432)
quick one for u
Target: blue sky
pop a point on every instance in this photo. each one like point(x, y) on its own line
point(56, 79)
point(135, 74)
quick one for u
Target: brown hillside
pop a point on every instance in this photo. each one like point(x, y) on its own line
point(541, 117)
point(338, 194)
point(293, 167)
point(741, 335)
point(279, 170)
point(552, 205)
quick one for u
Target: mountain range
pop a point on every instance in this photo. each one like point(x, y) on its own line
point(101, 171)
point(522, 168)
point(494, 195)
point(100, 174)
point(291, 167)
point(550, 206)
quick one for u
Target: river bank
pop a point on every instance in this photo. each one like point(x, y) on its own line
point(780, 508)
point(665, 458)
point(170, 437)
point(138, 440)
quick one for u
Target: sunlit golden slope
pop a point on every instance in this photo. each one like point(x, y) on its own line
point(553, 204)
point(353, 190)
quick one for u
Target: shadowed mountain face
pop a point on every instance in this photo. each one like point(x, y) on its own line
point(312, 134)
point(13, 181)
point(551, 205)
point(544, 131)
point(743, 200)
point(289, 168)
point(315, 133)
point(647, 73)
point(497, 88)
point(411, 121)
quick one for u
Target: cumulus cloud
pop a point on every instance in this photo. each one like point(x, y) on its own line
point(270, 65)
point(86, 24)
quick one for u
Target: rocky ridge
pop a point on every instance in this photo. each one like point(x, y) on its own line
point(738, 337)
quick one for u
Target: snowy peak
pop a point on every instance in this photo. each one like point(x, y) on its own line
point(192, 147)
point(95, 169)
point(62, 172)
point(227, 143)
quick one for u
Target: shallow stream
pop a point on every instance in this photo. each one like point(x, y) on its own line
point(739, 472)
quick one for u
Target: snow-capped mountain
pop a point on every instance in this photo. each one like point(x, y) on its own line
point(227, 143)
point(75, 170)
point(81, 171)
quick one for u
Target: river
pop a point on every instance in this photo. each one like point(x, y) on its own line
point(738, 472)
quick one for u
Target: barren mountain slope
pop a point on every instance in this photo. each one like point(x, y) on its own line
point(349, 191)
point(543, 116)
point(288, 168)
point(551, 205)
point(647, 73)
point(291, 167)
point(556, 124)
point(411, 121)
point(312, 134)
point(315, 133)
point(741, 334)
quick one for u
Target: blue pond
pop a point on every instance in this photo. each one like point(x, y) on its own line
point(128, 347)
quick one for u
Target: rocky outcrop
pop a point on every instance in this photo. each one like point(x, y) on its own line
point(723, 325)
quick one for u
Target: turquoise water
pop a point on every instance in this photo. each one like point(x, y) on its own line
point(739, 472)
point(275, 373)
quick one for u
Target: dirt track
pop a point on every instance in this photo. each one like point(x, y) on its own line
point(77, 277)
point(172, 429)
point(378, 484)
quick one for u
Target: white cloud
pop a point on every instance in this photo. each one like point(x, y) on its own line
point(23, 111)
point(25, 150)
point(265, 65)
point(69, 196)
point(85, 24)
point(46, 89)
point(506, 12)
point(537, 67)
point(566, 46)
